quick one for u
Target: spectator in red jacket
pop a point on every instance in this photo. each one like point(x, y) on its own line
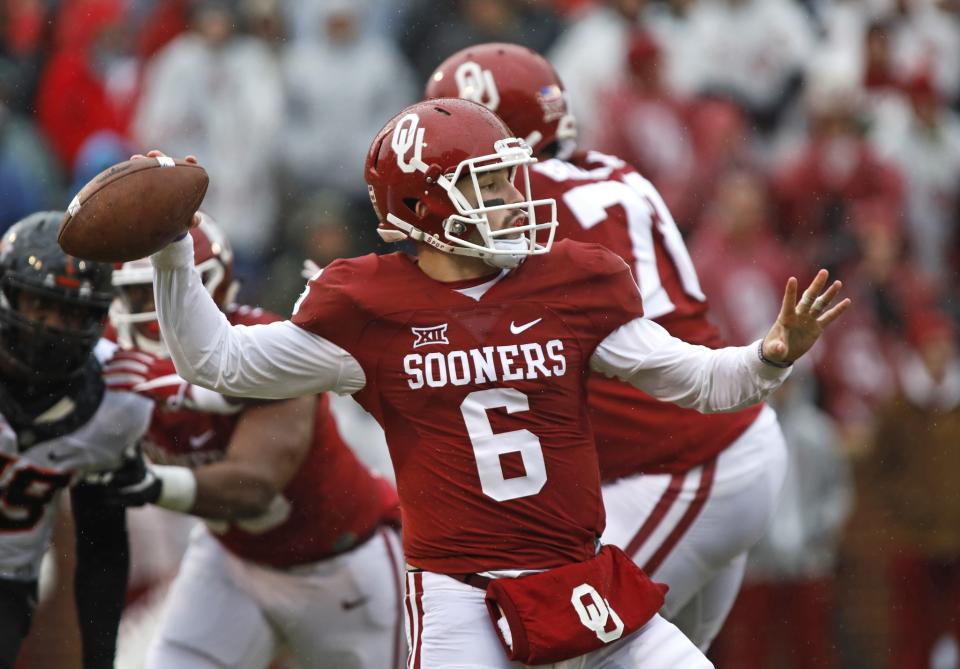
point(641, 121)
point(836, 170)
point(857, 367)
point(740, 262)
point(90, 83)
point(879, 72)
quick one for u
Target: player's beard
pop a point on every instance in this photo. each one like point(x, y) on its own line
point(518, 248)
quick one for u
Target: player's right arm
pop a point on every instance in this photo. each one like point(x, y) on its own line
point(275, 361)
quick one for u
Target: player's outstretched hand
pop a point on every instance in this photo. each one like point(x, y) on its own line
point(156, 153)
point(800, 324)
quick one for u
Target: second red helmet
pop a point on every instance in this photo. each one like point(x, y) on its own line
point(516, 83)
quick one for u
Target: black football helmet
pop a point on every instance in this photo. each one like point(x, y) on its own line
point(33, 265)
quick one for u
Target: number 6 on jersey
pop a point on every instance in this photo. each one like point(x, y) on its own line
point(488, 446)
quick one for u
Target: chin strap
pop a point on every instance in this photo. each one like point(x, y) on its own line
point(498, 260)
point(420, 236)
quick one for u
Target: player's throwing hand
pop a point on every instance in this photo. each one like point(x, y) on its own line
point(156, 153)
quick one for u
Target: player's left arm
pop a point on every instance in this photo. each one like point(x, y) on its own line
point(100, 583)
point(645, 355)
point(266, 450)
point(267, 447)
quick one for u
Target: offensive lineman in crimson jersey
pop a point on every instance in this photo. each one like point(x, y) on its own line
point(687, 494)
point(298, 547)
point(474, 357)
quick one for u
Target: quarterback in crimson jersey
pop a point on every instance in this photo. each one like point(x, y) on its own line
point(474, 357)
point(297, 546)
point(502, 359)
point(665, 467)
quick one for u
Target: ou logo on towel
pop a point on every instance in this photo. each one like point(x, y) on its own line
point(596, 613)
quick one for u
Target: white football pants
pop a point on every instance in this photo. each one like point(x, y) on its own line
point(224, 612)
point(692, 531)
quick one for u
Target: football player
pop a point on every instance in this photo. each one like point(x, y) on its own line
point(299, 549)
point(686, 494)
point(58, 422)
point(473, 356)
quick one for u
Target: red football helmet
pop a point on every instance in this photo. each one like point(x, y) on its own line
point(516, 83)
point(133, 314)
point(419, 157)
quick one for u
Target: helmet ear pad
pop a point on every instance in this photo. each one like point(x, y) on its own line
point(432, 208)
point(435, 204)
point(421, 209)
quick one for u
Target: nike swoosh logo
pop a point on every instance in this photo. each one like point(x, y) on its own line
point(517, 329)
point(200, 440)
point(348, 605)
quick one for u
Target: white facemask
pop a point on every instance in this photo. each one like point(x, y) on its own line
point(512, 154)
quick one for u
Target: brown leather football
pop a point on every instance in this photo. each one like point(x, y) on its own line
point(133, 209)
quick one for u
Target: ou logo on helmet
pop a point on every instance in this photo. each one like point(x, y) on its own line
point(596, 613)
point(477, 85)
point(406, 136)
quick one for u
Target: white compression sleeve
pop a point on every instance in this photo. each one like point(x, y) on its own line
point(273, 361)
point(645, 355)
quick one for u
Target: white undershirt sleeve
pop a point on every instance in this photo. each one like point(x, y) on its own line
point(645, 355)
point(272, 361)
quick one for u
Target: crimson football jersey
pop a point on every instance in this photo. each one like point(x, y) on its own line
point(483, 401)
point(603, 200)
point(330, 503)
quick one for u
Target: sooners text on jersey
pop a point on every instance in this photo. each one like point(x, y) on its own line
point(602, 199)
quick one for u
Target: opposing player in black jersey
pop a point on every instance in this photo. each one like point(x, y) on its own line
point(58, 423)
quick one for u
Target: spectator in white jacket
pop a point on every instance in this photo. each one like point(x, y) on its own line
point(752, 50)
point(923, 140)
point(341, 83)
point(590, 54)
point(217, 93)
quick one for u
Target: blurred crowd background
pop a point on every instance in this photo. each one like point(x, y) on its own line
point(784, 134)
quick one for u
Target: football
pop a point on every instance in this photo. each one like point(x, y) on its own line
point(133, 209)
